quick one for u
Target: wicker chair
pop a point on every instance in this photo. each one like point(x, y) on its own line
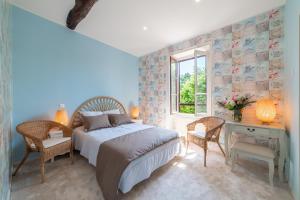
point(211, 133)
point(34, 133)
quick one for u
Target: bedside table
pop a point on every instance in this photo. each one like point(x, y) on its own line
point(140, 121)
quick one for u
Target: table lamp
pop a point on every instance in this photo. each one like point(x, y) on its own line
point(61, 115)
point(134, 112)
point(265, 110)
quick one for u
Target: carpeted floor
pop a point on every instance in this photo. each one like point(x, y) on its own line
point(183, 178)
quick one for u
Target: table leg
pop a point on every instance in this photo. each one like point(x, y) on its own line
point(227, 133)
point(282, 156)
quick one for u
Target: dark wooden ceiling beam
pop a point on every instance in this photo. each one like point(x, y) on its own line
point(79, 12)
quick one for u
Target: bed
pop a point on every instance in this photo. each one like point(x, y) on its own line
point(88, 143)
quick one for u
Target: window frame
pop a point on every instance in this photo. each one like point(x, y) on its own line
point(208, 84)
point(176, 94)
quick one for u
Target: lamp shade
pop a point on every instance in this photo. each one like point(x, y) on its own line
point(265, 110)
point(61, 115)
point(135, 112)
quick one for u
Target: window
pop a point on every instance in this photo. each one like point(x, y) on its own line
point(189, 81)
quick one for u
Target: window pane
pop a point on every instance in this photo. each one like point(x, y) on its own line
point(174, 85)
point(201, 74)
point(187, 108)
point(187, 86)
point(201, 103)
point(173, 103)
point(173, 78)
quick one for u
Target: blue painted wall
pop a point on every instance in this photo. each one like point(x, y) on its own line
point(5, 100)
point(292, 14)
point(53, 65)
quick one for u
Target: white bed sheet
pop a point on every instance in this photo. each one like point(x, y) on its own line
point(88, 144)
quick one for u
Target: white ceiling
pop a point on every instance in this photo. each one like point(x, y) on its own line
point(119, 23)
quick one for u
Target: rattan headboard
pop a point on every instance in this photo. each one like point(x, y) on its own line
point(100, 103)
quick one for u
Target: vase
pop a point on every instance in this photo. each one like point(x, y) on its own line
point(237, 115)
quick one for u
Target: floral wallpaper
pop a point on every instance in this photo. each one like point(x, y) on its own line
point(247, 58)
point(5, 101)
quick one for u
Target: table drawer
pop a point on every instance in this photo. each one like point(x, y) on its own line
point(252, 130)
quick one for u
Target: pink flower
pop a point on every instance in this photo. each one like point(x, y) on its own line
point(234, 97)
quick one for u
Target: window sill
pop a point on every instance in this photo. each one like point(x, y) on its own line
point(191, 116)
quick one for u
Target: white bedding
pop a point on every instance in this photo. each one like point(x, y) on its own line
point(88, 144)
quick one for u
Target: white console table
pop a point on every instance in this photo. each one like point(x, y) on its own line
point(272, 131)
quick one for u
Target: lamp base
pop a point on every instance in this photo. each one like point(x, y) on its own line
point(266, 123)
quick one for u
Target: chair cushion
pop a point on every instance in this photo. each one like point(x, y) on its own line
point(254, 149)
point(50, 142)
point(200, 130)
point(200, 134)
point(54, 141)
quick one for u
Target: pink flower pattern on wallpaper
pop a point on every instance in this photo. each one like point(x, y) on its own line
point(247, 58)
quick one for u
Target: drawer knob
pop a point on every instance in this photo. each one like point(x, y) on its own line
point(251, 129)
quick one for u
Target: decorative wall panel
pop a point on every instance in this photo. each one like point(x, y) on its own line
point(247, 58)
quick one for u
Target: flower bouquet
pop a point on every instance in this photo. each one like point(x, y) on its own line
point(236, 104)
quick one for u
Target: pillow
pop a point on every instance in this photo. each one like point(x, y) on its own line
point(119, 119)
point(95, 122)
point(116, 111)
point(91, 113)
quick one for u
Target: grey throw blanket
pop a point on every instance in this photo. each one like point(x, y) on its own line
point(116, 154)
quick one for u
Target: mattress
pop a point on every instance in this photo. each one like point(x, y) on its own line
point(138, 170)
